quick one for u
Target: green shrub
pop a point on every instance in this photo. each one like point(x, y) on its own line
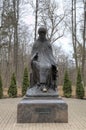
point(12, 91)
point(1, 90)
point(79, 86)
point(25, 83)
point(67, 88)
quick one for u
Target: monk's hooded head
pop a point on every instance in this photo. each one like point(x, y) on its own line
point(42, 33)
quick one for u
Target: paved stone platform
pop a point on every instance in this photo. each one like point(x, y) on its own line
point(76, 110)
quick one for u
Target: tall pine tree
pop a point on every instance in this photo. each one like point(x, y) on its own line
point(79, 86)
point(67, 89)
point(25, 83)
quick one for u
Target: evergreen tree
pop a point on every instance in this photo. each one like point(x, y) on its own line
point(79, 86)
point(1, 90)
point(25, 83)
point(12, 91)
point(67, 88)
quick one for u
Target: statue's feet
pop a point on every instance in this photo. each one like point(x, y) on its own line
point(44, 88)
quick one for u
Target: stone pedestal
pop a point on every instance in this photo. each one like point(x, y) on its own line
point(39, 107)
point(42, 110)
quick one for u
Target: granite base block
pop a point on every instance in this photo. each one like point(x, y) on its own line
point(42, 111)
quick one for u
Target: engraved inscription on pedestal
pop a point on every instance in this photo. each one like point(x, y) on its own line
point(43, 110)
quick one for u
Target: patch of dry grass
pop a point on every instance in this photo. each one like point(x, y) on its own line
point(60, 91)
point(19, 92)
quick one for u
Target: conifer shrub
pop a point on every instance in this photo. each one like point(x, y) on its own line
point(12, 91)
point(1, 90)
point(79, 86)
point(25, 83)
point(67, 87)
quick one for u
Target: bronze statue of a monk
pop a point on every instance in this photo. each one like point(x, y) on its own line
point(44, 71)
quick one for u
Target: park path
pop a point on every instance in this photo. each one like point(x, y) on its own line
point(76, 115)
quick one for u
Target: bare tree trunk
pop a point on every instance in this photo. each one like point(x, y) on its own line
point(36, 19)
point(84, 44)
point(74, 31)
point(16, 11)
